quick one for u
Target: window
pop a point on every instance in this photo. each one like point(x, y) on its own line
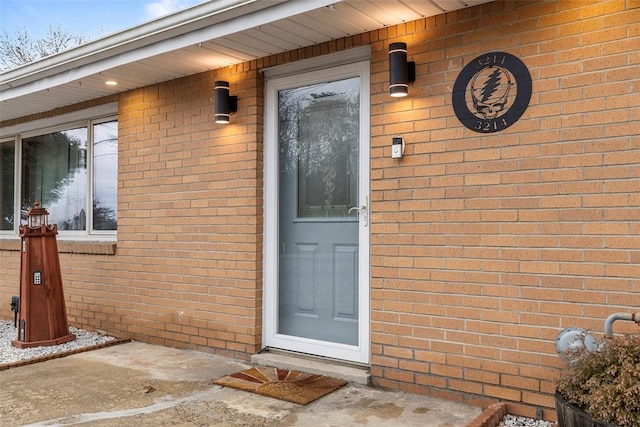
point(105, 176)
point(7, 173)
point(72, 170)
point(53, 172)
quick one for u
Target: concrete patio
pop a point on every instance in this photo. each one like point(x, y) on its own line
point(148, 385)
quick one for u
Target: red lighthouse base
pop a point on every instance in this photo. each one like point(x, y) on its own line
point(60, 340)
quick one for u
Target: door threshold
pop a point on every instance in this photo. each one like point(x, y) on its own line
point(283, 359)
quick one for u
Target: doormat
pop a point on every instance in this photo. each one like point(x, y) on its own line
point(292, 386)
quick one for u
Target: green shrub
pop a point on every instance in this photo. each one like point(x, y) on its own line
point(606, 383)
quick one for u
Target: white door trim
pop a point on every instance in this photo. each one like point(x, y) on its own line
point(271, 338)
point(355, 54)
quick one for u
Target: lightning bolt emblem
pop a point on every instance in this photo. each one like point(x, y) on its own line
point(491, 85)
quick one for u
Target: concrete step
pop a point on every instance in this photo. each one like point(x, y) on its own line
point(313, 365)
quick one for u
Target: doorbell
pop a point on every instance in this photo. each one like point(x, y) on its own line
point(397, 147)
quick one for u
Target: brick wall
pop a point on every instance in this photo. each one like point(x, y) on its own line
point(190, 199)
point(186, 271)
point(483, 246)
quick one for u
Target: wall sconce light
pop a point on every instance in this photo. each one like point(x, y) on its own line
point(401, 72)
point(225, 104)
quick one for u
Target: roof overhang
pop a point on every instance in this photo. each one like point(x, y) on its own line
point(207, 36)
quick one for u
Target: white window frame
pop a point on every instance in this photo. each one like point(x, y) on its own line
point(84, 118)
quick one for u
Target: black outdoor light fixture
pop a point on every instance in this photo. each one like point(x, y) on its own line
point(225, 104)
point(401, 72)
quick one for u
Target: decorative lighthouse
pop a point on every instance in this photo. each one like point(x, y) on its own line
point(42, 317)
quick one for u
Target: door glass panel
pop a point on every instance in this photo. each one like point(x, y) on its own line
point(318, 236)
point(327, 160)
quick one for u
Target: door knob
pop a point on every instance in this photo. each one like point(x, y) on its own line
point(363, 211)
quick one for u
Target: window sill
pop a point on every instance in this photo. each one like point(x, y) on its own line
point(68, 247)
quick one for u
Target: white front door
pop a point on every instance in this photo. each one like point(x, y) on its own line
point(317, 212)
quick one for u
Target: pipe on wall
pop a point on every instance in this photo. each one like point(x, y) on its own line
point(608, 324)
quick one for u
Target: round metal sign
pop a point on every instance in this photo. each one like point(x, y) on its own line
point(492, 92)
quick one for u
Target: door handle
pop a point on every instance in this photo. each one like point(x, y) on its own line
point(363, 211)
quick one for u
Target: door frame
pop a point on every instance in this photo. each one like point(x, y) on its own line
point(271, 338)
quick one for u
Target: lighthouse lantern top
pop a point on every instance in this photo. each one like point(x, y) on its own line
point(37, 216)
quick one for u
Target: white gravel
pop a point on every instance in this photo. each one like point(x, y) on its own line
point(515, 421)
point(10, 354)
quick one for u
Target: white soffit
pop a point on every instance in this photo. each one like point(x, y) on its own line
point(211, 35)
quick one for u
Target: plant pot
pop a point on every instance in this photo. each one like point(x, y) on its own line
point(571, 416)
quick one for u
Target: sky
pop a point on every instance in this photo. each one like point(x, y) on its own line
point(88, 17)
